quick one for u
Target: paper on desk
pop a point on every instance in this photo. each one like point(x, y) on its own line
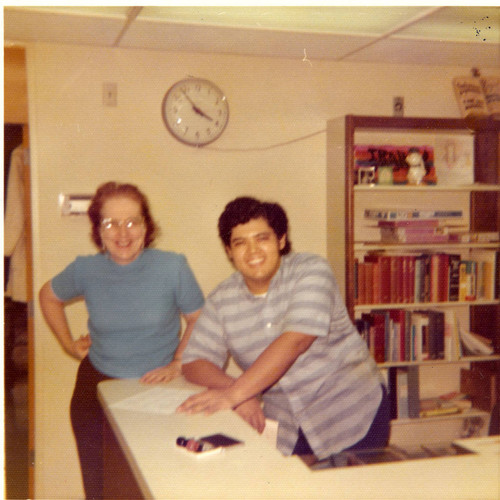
point(159, 399)
point(271, 431)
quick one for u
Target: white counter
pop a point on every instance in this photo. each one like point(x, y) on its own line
point(257, 470)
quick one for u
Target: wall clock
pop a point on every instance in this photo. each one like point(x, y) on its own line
point(195, 111)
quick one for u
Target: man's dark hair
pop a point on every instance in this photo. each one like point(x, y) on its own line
point(244, 209)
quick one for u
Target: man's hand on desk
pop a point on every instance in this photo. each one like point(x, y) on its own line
point(213, 400)
point(251, 412)
point(163, 374)
point(210, 401)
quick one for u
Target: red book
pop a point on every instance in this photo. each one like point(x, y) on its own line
point(439, 286)
point(361, 283)
point(400, 272)
point(394, 279)
point(369, 282)
point(378, 337)
point(409, 281)
point(381, 277)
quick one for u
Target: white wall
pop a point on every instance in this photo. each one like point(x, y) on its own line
point(77, 143)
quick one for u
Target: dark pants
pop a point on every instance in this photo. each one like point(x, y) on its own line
point(87, 420)
point(376, 437)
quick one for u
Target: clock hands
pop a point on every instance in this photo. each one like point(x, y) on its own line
point(196, 109)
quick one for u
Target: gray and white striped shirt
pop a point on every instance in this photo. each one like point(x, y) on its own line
point(332, 391)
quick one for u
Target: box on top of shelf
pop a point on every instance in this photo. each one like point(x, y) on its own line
point(373, 158)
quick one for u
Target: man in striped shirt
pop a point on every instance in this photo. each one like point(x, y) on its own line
point(282, 318)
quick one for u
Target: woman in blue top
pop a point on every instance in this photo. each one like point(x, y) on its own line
point(135, 297)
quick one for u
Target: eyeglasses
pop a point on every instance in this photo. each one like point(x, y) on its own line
point(132, 223)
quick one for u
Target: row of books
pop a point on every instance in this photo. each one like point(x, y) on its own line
point(381, 278)
point(401, 335)
point(395, 335)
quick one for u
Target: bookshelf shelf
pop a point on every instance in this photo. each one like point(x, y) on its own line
point(421, 305)
point(351, 236)
point(376, 246)
point(436, 187)
point(431, 362)
point(465, 414)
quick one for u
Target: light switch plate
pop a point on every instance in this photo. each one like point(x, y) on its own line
point(74, 204)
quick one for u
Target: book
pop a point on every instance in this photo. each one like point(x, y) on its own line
point(487, 272)
point(439, 279)
point(439, 411)
point(379, 339)
point(373, 328)
point(413, 392)
point(452, 346)
point(381, 280)
point(473, 237)
point(409, 223)
point(419, 336)
point(436, 333)
point(475, 344)
point(453, 276)
point(413, 235)
point(409, 279)
point(407, 213)
point(402, 394)
point(361, 280)
point(467, 280)
point(399, 319)
point(470, 96)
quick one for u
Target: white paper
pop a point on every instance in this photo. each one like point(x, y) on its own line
point(271, 431)
point(158, 399)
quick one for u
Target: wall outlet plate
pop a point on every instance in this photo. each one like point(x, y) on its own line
point(398, 106)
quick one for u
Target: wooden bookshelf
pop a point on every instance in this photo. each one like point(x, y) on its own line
point(479, 200)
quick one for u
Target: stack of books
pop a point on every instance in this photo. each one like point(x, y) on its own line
point(413, 226)
point(413, 231)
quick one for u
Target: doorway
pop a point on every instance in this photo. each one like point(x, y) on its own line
point(16, 335)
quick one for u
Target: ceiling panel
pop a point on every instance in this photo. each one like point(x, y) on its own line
point(46, 26)
point(467, 24)
point(439, 53)
point(359, 20)
point(393, 34)
point(196, 38)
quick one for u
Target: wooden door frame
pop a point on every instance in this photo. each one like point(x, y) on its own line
point(30, 322)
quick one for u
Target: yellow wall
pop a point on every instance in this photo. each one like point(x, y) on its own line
point(77, 143)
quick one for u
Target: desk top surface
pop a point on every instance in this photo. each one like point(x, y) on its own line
point(257, 470)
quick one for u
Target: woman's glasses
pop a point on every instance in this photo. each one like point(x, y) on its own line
point(131, 223)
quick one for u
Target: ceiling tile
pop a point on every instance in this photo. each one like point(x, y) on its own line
point(359, 20)
point(42, 26)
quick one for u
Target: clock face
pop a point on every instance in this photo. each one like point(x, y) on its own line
point(195, 111)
